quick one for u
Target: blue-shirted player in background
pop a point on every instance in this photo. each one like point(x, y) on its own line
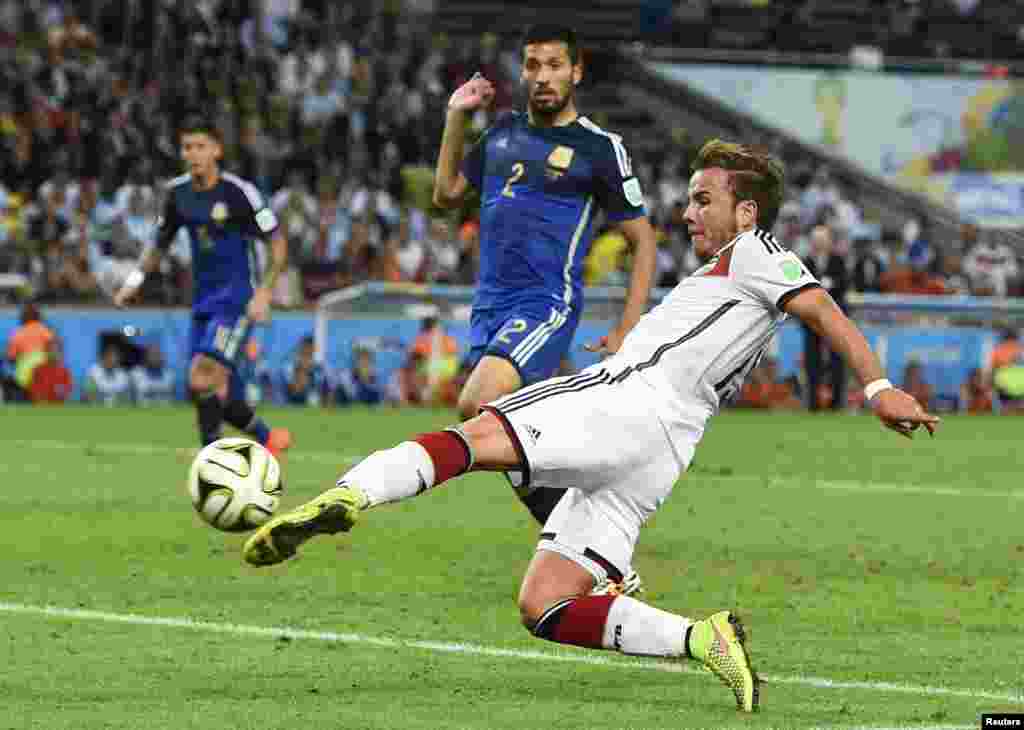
point(541, 176)
point(223, 215)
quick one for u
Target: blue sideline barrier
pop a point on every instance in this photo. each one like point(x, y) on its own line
point(947, 353)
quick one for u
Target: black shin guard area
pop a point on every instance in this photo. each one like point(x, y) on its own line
point(547, 623)
point(210, 412)
point(541, 502)
point(239, 414)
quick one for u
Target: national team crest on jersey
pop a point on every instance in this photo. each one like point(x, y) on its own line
point(559, 162)
point(219, 213)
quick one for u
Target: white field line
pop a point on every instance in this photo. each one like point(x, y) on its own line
point(79, 614)
point(341, 459)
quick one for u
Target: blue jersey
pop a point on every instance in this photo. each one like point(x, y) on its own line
point(539, 189)
point(222, 223)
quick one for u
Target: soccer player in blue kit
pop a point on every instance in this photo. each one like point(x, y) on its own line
point(223, 214)
point(541, 175)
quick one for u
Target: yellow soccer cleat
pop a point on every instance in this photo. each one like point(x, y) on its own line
point(717, 642)
point(336, 510)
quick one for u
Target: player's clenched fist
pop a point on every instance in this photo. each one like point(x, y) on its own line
point(476, 93)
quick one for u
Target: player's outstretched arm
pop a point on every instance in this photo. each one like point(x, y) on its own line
point(259, 305)
point(645, 244)
point(133, 282)
point(896, 409)
point(450, 185)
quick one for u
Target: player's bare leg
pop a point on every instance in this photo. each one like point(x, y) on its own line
point(492, 378)
point(555, 603)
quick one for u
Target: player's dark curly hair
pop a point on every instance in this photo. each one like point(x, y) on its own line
point(755, 174)
point(548, 32)
point(198, 124)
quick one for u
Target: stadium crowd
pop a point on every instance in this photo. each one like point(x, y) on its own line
point(335, 110)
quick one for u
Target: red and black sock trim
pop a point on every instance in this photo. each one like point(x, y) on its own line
point(449, 453)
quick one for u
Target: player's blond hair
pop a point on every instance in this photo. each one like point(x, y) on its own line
point(754, 174)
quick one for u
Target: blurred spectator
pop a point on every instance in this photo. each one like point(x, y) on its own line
point(605, 261)
point(975, 393)
point(303, 376)
point(991, 267)
point(406, 256)
point(439, 351)
point(788, 229)
point(969, 234)
point(52, 382)
point(912, 271)
point(26, 350)
point(1007, 369)
point(819, 195)
point(359, 384)
point(915, 384)
point(107, 382)
point(822, 364)
point(70, 38)
point(253, 370)
point(867, 263)
point(921, 254)
point(443, 252)
point(953, 274)
point(764, 389)
point(469, 253)
point(408, 383)
point(153, 382)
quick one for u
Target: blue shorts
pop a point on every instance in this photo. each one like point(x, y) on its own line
point(533, 336)
point(221, 337)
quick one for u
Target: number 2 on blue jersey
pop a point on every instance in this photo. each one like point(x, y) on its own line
point(517, 172)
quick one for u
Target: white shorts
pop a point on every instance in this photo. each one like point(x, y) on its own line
point(605, 444)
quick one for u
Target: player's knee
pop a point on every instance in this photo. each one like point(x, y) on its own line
point(206, 375)
point(469, 406)
point(530, 612)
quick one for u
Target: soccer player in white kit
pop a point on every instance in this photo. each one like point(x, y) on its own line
point(620, 433)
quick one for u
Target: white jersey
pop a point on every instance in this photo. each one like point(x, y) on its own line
point(699, 344)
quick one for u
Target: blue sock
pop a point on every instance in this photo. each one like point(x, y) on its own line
point(236, 387)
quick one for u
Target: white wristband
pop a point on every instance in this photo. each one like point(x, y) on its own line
point(875, 387)
point(134, 280)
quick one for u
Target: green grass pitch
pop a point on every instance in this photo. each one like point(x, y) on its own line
point(890, 568)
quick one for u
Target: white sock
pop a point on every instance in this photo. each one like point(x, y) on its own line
point(637, 628)
point(393, 474)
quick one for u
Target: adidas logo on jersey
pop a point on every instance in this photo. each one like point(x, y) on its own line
point(534, 433)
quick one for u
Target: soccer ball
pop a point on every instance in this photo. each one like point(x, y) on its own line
point(235, 484)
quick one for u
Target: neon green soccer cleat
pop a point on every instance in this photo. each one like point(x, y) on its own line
point(717, 642)
point(336, 510)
